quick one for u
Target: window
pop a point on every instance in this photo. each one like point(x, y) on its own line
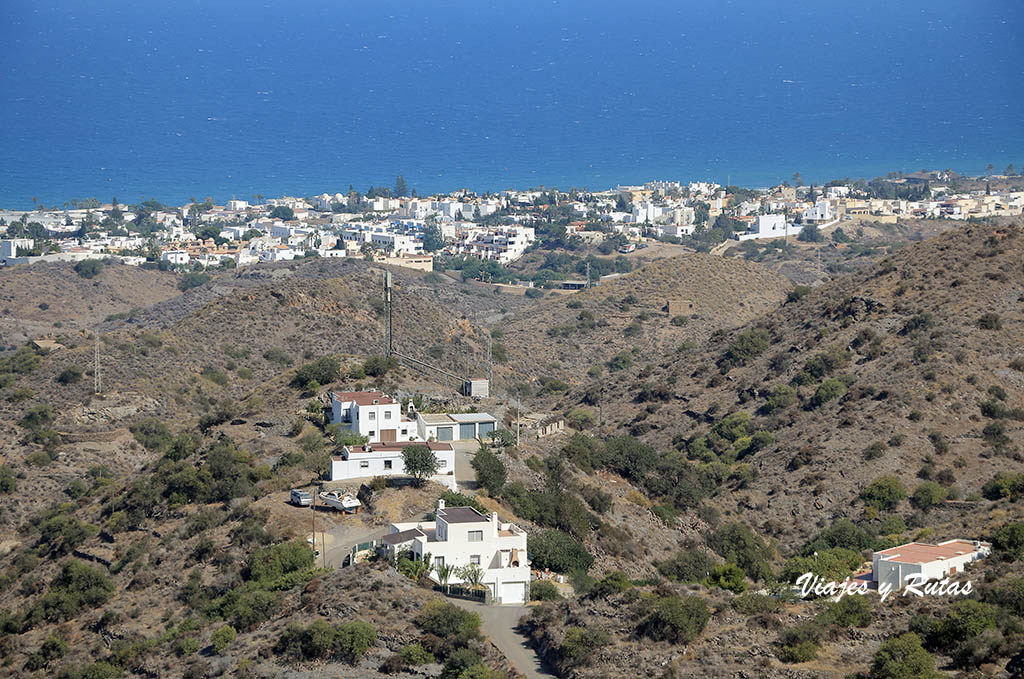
point(405, 432)
point(372, 416)
point(363, 464)
point(476, 536)
point(438, 561)
point(475, 558)
point(441, 464)
point(387, 414)
point(387, 464)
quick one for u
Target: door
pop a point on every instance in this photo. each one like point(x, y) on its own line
point(485, 429)
point(512, 593)
point(387, 434)
point(444, 433)
point(467, 431)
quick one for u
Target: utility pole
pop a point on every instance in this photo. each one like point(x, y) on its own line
point(97, 384)
point(519, 413)
point(387, 307)
point(490, 363)
point(588, 273)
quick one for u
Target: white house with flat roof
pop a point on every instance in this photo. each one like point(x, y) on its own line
point(454, 427)
point(460, 536)
point(372, 414)
point(922, 562)
point(385, 459)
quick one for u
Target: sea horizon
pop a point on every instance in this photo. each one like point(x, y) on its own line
point(222, 100)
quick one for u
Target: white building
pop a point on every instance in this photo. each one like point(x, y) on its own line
point(923, 562)
point(9, 248)
point(454, 427)
point(385, 459)
point(175, 257)
point(821, 212)
point(372, 414)
point(237, 205)
point(461, 536)
point(771, 226)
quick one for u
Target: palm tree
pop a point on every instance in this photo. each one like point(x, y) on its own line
point(444, 574)
point(472, 574)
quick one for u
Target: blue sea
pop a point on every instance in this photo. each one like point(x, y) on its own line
point(221, 98)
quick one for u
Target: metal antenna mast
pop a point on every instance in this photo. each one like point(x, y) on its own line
point(387, 307)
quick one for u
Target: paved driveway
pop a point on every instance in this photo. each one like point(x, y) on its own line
point(498, 624)
point(464, 474)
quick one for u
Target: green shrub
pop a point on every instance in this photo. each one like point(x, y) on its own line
point(53, 648)
point(193, 279)
point(267, 564)
point(736, 543)
point(748, 345)
point(615, 582)
point(690, 565)
point(884, 493)
point(929, 494)
point(8, 482)
point(582, 643)
point(1008, 541)
point(679, 321)
point(152, 434)
point(728, 576)
point(903, 657)
point(751, 603)
point(1004, 485)
point(833, 563)
point(448, 621)
point(800, 643)
point(544, 590)
point(829, 390)
point(378, 366)
point(850, 611)
point(77, 586)
point(347, 641)
point(675, 619)
point(559, 551)
point(89, 268)
point(415, 654)
point(70, 375)
point(23, 361)
point(323, 370)
point(490, 470)
point(221, 638)
point(278, 356)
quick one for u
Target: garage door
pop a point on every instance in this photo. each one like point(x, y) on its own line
point(512, 592)
point(467, 431)
point(387, 434)
point(485, 429)
point(444, 433)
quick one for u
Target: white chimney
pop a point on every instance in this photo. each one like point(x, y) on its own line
point(440, 504)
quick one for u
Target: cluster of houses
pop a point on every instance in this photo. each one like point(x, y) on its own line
point(498, 227)
point(458, 536)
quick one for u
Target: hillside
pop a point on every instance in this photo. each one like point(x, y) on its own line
point(51, 299)
point(564, 337)
point(140, 523)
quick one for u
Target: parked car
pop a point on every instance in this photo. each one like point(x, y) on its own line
point(301, 498)
point(627, 248)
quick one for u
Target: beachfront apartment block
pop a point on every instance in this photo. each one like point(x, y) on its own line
point(892, 567)
point(460, 536)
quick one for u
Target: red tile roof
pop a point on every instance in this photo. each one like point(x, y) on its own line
point(919, 552)
point(365, 398)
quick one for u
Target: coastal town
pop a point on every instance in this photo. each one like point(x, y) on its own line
point(393, 228)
